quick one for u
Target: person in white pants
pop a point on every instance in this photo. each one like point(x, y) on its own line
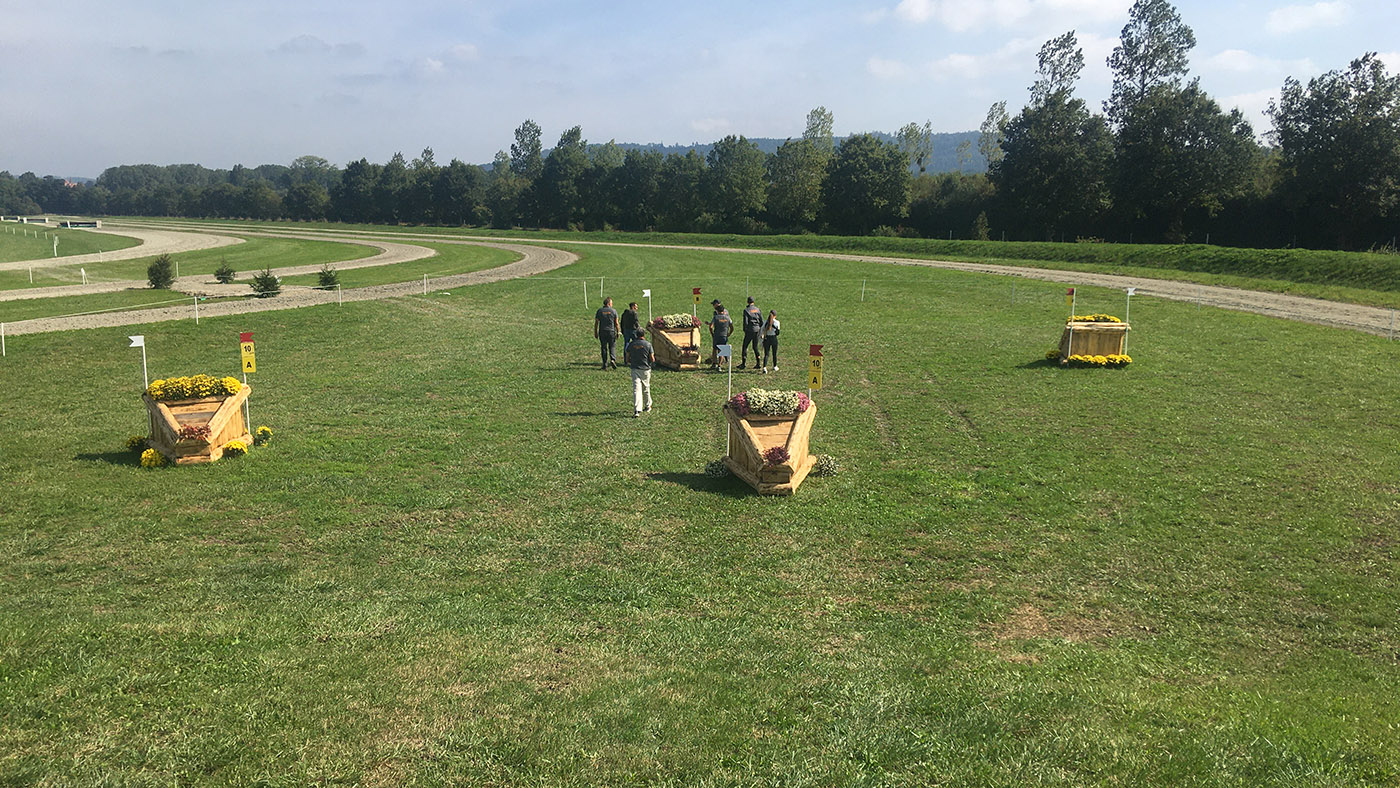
point(640, 357)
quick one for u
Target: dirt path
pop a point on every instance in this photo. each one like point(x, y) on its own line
point(153, 241)
point(1373, 320)
point(206, 285)
point(533, 260)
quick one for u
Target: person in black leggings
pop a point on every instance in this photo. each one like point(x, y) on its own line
point(771, 328)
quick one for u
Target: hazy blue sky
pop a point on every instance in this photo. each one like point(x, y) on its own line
point(94, 84)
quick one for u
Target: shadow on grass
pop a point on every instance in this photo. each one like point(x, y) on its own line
point(1040, 363)
point(591, 413)
point(111, 458)
point(699, 482)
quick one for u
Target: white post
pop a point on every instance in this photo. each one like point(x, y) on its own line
point(196, 310)
point(177, 269)
point(2, 339)
point(55, 246)
point(31, 274)
point(247, 420)
point(144, 377)
point(84, 270)
point(726, 399)
point(585, 294)
point(338, 300)
point(862, 290)
point(1127, 318)
point(425, 284)
point(600, 287)
point(648, 307)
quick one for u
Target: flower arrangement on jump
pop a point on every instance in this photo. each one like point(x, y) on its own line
point(776, 455)
point(766, 402)
point(1094, 319)
point(671, 322)
point(193, 387)
point(1111, 360)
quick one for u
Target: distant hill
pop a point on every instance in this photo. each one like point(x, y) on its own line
point(945, 150)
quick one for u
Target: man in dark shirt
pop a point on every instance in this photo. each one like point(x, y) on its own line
point(640, 357)
point(605, 330)
point(720, 328)
point(630, 326)
point(753, 324)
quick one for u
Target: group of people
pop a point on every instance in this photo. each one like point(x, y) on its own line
point(639, 355)
point(756, 329)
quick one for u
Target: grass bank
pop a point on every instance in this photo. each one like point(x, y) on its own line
point(461, 561)
point(19, 242)
point(1356, 277)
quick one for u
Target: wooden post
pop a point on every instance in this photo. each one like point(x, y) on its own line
point(338, 300)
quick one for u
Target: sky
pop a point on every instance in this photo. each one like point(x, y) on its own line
point(88, 86)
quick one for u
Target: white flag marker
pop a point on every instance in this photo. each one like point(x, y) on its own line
point(140, 341)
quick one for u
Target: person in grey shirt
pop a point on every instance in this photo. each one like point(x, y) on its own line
point(752, 321)
point(640, 357)
point(605, 331)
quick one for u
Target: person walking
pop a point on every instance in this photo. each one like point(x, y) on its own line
point(721, 326)
point(753, 326)
point(770, 341)
point(630, 326)
point(640, 357)
point(605, 331)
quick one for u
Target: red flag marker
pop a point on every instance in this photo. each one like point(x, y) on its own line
point(816, 350)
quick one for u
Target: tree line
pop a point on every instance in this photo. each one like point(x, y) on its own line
point(1162, 162)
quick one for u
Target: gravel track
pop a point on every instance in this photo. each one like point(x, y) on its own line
point(1372, 320)
point(533, 260)
point(153, 241)
point(206, 285)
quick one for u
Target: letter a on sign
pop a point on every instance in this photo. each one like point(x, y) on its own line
point(245, 347)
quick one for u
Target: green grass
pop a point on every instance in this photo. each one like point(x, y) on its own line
point(1372, 279)
point(29, 308)
point(460, 561)
point(451, 259)
point(252, 255)
point(17, 242)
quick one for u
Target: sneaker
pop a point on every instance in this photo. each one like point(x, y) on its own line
point(775, 367)
point(741, 366)
point(612, 364)
point(636, 414)
point(647, 410)
point(763, 370)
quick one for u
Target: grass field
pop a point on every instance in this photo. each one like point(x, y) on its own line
point(29, 308)
point(451, 259)
point(460, 561)
point(1368, 278)
point(251, 255)
point(19, 242)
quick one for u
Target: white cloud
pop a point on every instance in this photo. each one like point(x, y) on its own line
point(1254, 106)
point(465, 53)
point(1391, 61)
point(1240, 61)
point(882, 68)
point(1015, 55)
point(961, 15)
point(1297, 18)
